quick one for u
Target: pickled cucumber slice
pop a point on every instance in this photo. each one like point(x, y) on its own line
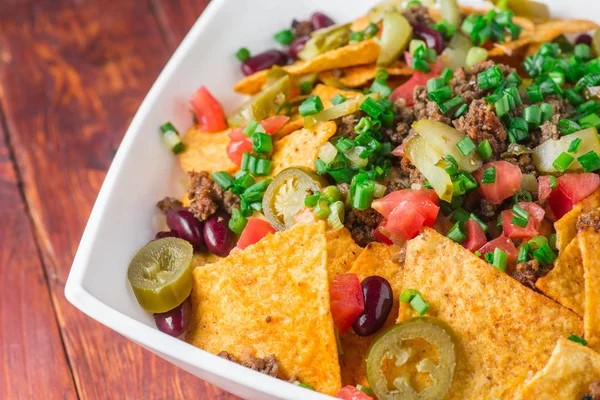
point(161, 274)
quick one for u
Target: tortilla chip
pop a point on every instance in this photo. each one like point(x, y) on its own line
point(202, 259)
point(296, 122)
point(365, 52)
point(565, 227)
point(568, 374)
point(326, 93)
point(206, 151)
point(564, 283)
point(376, 259)
point(301, 148)
point(505, 330)
point(359, 76)
point(284, 277)
point(342, 251)
point(589, 243)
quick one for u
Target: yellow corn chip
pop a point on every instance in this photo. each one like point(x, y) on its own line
point(283, 277)
point(364, 52)
point(296, 122)
point(342, 251)
point(301, 148)
point(568, 374)
point(376, 259)
point(566, 228)
point(326, 93)
point(564, 283)
point(589, 243)
point(206, 151)
point(202, 259)
point(505, 330)
point(361, 75)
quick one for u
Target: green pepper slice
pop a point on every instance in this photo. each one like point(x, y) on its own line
point(284, 197)
point(596, 42)
point(324, 40)
point(161, 274)
point(395, 37)
point(262, 105)
point(413, 360)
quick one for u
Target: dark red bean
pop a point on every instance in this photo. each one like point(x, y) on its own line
point(584, 38)
point(320, 20)
point(264, 60)
point(431, 37)
point(186, 226)
point(166, 234)
point(378, 304)
point(176, 321)
point(296, 46)
point(219, 239)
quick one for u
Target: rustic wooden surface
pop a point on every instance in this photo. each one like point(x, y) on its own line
point(72, 75)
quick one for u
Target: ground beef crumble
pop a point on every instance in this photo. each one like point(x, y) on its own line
point(590, 220)
point(268, 365)
point(403, 120)
point(528, 273)
point(206, 197)
point(464, 82)
point(481, 123)
point(346, 124)
point(169, 203)
point(362, 224)
point(418, 15)
point(427, 109)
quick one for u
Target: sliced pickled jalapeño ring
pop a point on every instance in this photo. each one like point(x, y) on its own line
point(161, 274)
point(395, 346)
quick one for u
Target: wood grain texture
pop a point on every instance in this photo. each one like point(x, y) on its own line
point(72, 74)
point(30, 338)
point(177, 17)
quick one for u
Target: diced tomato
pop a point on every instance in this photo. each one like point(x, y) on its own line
point(405, 221)
point(347, 301)
point(208, 111)
point(407, 89)
point(572, 188)
point(236, 150)
point(508, 181)
point(536, 216)
point(352, 393)
point(475, 236)
point(272, 124)
point(425, 197)
point(503, 243)
point(544, 188)
point(488, 45)
point(380, 236)
point(399, 151)
point(237, 134)
point(255, 230)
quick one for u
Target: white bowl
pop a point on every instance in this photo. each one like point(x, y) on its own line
point(143, 172)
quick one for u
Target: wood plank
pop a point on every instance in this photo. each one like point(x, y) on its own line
point(177, 17)
point(29, 336)
point(72, 74)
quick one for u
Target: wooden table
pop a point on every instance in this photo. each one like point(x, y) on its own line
point(72, 75)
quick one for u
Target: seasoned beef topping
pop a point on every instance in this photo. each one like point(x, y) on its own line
point(464, 82)
point(408, 170)
point(397, 178)
point(168, 203)
point(595, 390)
point(268, 365)
point(418, 15)
point(346, 124)
point(206, 197)
point(403, 120)
point(524, 162)
point(528, 273)
point(590, 220)
point(302, 28)
point(362, 224)
point(481, 123)
point(427, 109)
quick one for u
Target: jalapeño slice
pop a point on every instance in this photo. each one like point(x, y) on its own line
point(413, 360)
point(161, 274)
point(284, 197)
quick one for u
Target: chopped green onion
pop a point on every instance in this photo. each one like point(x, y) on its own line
point(482, 224)
point(363, 195)
point(546, 110)
point(357, 36)
point(305, 87)
point(523, 253)
point(451, 104)
point(566, 126)
point(553, 182)
point(320, 166)
point(419, 305)
point(312, 105)
point(420, 64)
point(574, 97)
point(435, 83)
point(387, 119)
point(500, 259)
point(502, 106)
point(223, 179)
point(366, 390)
point(284, 37)
point(456, 233)
point(577, 339)
point(514, 79)
point(460, 215)
point(342, 175)
point(440, 95)
point(552, 241)
point(518, 221)
point(537, 242)
point(489, 257)
point(563, 161)
point(243, 54)
point(582, 51)
point(460, 111)
point(533, 115)
point(336, 218)
point(475, 55)
point(589, 121)
point(490, 78)
point(171, 138)
point(243, 180)
point(522, 196)
point(372, 108)
point(304, 385)
point(466, 146)
point(322, 209)
point(263, 167)
point(589, 161)
point(238, 222)
point(408, 295)
point(338, 99)
point(382, 88)
point(574, 146)
point(447, 74)
point(544, 254)
point(416, 44)
point(485, 149)
point(344, 144)
point(312, 200)
point(262, 142)
point(250, 128)
point(534, 93)
point(371, 30)
point(489, 175)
